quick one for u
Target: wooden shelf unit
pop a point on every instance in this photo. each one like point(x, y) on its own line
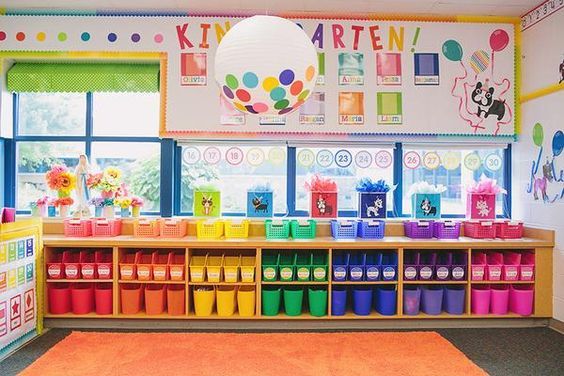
point(540, 241)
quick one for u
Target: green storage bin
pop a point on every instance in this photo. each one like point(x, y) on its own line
point(319, 267)
point(287, 267)
point(270, 267)
point(277, 229)
point(303, 266)
point(271, 296)
point(303, 229)
point(317, 298)
point(293, 299)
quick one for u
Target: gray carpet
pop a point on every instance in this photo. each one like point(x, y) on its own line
point(514, 352)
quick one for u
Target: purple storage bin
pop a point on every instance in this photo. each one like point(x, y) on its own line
point(362, 300)
point(344, 229)
point(454, 299)
point(446, 229)
point(373, 266)
point(480, 297)
point(356, 266)
point(427, 262)
point(432, 299)
point(521, 299)
point(340, 266)
point(499, 299)
point(411, 300)
point(389, 268)
point(338, 300)
point(410, 265)
point(371, 229)
point(443, 266)
point(418, 229)
point(458, 267)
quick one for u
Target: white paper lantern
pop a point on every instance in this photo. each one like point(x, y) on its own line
point(266, 65)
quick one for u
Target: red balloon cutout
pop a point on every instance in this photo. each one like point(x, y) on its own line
point(499, 40)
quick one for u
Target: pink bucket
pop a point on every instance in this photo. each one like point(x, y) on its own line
point(499, 301)
point(521, 299)
point(481, 299)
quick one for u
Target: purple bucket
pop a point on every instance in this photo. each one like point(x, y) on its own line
point(432, 300)
point(454, 299)
point(499, 299)
point(338, 300)
point(362, 300)
point(411, 300)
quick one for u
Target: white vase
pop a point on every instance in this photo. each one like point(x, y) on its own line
point(108, 212)
point(64, 211)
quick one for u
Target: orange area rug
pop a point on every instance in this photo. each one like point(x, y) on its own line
point(219, 354)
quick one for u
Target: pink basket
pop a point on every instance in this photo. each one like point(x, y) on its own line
point(479, 229)
point(106, 227)
point(511, 265)
point(479, 265)
point(509, 230)
point(527, 267)
point(173, 228)
point(78, 227)
point(521, 298)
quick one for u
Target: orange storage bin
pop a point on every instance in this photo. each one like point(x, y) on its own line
point(71, 262)
point(160, 266)
point(155, 299)
point(127, 266)
point(77, 227)
point(176, 266)
point(82, 298)
point(176, 298)
point(173, 228)
point(55, 268)
point(131, 297)
point(106, 227)
point(87, 265)
point(144, 265)
point(146, 227)
point(104, 264)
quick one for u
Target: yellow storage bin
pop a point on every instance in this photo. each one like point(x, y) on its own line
point(198, 268)
point(231, 268)
point(226, 300)
point(204, 299)
point(248, 268)
point(213, 268)
point(246, 301)
point(209, 229)
point(237, 229)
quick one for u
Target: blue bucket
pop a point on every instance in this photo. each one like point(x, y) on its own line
point(386, 300)
point(362, 300)
point(338, 300)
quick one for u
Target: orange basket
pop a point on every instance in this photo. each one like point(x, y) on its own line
point(173, 228)
point(160, 266)
point(127, 267)
point(144, 266)
point(176, 265)
point(146, 228)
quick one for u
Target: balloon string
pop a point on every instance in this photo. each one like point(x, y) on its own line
point(500, 123)
point(460, 100)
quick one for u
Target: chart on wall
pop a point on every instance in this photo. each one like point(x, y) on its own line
point(373, 76)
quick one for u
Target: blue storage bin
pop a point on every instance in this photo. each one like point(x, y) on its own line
point(344, 229)
point(340, 266)
point(373, 266)
point(371, 229)
point(338, 300)
point(389, 266)
point(386, 300)
point(356, 266)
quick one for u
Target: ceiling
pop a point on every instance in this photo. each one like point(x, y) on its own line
point(445, 7)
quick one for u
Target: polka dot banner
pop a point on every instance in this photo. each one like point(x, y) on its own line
point(41, 36)
point(85, 37)
point(158, 38)
point(112, 37)
point(2, 36)
point(62, 37)
point(135, 37)
point(20, 37)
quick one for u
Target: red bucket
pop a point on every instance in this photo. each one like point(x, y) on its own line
point(104, 298)
point(82, 297)
point(59, 298)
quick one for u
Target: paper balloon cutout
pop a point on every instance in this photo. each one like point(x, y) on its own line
point(557, 143)
point(538, 134)
point(499, 39)
point(452, 50)
point(266, 65)
point(479, 61)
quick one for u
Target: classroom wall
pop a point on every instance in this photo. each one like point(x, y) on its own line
point(542, 54)
point(2, 171)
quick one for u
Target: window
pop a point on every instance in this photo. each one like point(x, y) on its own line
point(126, 114)
point(51, 114)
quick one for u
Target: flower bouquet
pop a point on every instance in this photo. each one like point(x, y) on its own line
point(124, 203)
point(60, 179)
point(480, 203)
point(136, 205)
point(64, 203)
point(108, 182)
point(98, 203)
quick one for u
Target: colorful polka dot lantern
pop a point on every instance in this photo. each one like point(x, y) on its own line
point(266, 65)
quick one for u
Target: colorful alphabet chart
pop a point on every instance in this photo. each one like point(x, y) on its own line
point(18, 294)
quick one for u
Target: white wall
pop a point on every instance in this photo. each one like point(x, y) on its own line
point(543, 52)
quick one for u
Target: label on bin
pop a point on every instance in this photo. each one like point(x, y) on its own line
point(319, 273)
point(247, 276)
point(458, 272)
point(442, 272)
point(511, 273)
point(494, 273)
point(143, 272)
point(303, 273)
point(372, 273)
point(356, 273)
point(426, 272)
point(175, 273)
point(126, 272)
point(410, 272)
point(213, 275)
point(159, 273)
point(526, 273)
point(340, 273)
point(477, 273)
point(88, 271)
point(230, 276)
point(286, 273)
point(197, 275)
point(54, 271)
point(104, 271)
point(389, 273)
point(269, 273)
point(71, 271)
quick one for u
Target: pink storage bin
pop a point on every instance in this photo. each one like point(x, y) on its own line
point(87, 265)
point(106, 227)
point(479, 229)
point(509, 230)
point(77, 227)
point(495, 266)
point(521, 299)
point(511, 264)
point(527, 267)
point(499, 300)
point(479, 266)
point(71, 262)
point(480, 297)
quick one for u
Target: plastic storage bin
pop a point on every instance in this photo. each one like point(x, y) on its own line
point(271, 296)
point(480, 298)
point(303, 266)
point(104, 264)
point(270, 267)
point(418, 229)
point(55, 268)
point(146, 228)
point(231, 268)
point(319, 267)
point(446, 229)
point(59, 298)
point(131, 296)
point(499, 299)
point(226, 300)
point(209, 229)
point(173, 228)
point(371, 229)
point(145, 266)
point(287, 266)
point(479, 266)
point(527, 267)
point(277, 229)
point(175, 299)
point(204, 299)
point(432, 299)
point(356, 266)
point(106, 227)
point(302, 229)
point(362, 300)
point(458, 267)
point(344, 229)
point(71, 263)
point(127, 266)
point(82, 298)
point(454, 299)
point(246, 301)
point(77, 227)
point(521, 298)
point(509, 230)
point(479, 229)
point(213, 268)
point(495, 265)
point(411, 300)
point(160, 266)
point(427, 263)
point(103, 298)
point(340, 266)
point(338, 300)
point(389, 266)
point(410, 265)
point(237, 229)
point(87, 265)
point(248, 268)
point(511, 265)
point(317, 298)
point(198, 268)
point(443, 266)
point(176, 264)
point(373, 266)
point(386, 300)
point(155, 299)
point(293, 300)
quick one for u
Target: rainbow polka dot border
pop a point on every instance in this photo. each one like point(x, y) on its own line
point(82, 36)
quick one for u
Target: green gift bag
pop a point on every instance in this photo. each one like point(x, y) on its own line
point(207, 203)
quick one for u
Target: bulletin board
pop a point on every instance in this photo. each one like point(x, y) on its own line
point(377, 77)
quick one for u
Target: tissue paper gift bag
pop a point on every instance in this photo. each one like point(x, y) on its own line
point(323, 204)
point(372, 205)
point(260, 204)
point(207, 203)
point(480, 206)
point(426, 205)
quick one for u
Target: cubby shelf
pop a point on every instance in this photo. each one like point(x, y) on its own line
point(294, 283)
point(153, 282)
point(435, 282)
point(364, 282)
point(91, 315)
point(79, 280)
point(222, 283)
point(502, 282)
point(350, 315)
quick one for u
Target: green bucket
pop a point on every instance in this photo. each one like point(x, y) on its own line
point(317, 301)
point(271, 300)
point(293, 298)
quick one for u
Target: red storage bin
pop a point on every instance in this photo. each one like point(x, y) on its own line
point(127, 266)
point(176, 266)
point(103, 295)
point(131, 298)
point(55, 268)
point(509, 229)
point(104, 264)
point(82, 298)
point(87, 265)
point(155, 299)
point(479, 229)
point(71, 262)
point(527, 267)
point(511, 264)
point(78, 227)
point(104, 227)
point(176, 299)
point(173, 228)
point(495, 265)
point(144, 266)
point(479, 266)
point(59, 298)
point(160, 266)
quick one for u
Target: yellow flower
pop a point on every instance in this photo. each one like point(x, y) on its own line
point(67, 182)
point(113, 173)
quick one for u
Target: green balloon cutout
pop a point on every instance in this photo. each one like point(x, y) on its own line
point(452, 50)
point(538, 134)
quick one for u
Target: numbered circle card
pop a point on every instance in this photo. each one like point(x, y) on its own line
point(493, 162)
point(212, 155)
point(277, 156)
point(324, 158)
point(383, 159)
point(234, 156)
point(451, 160)
point(343, 158)
point(255, 157)
point(306, 157)
point(472, 161)
point(191, 155)
point(411, 160)
point(363, 159)
point(431, 160)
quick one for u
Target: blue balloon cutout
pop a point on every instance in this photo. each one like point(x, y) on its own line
point(557, 143)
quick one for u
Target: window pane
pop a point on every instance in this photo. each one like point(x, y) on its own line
point(140, 164)
point(346, 167)
point(52, 114)
point(249, 165)
point(34, 159)
point(126, 114)
point(456, 169)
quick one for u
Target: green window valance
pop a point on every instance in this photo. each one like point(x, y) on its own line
point(83, 77)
